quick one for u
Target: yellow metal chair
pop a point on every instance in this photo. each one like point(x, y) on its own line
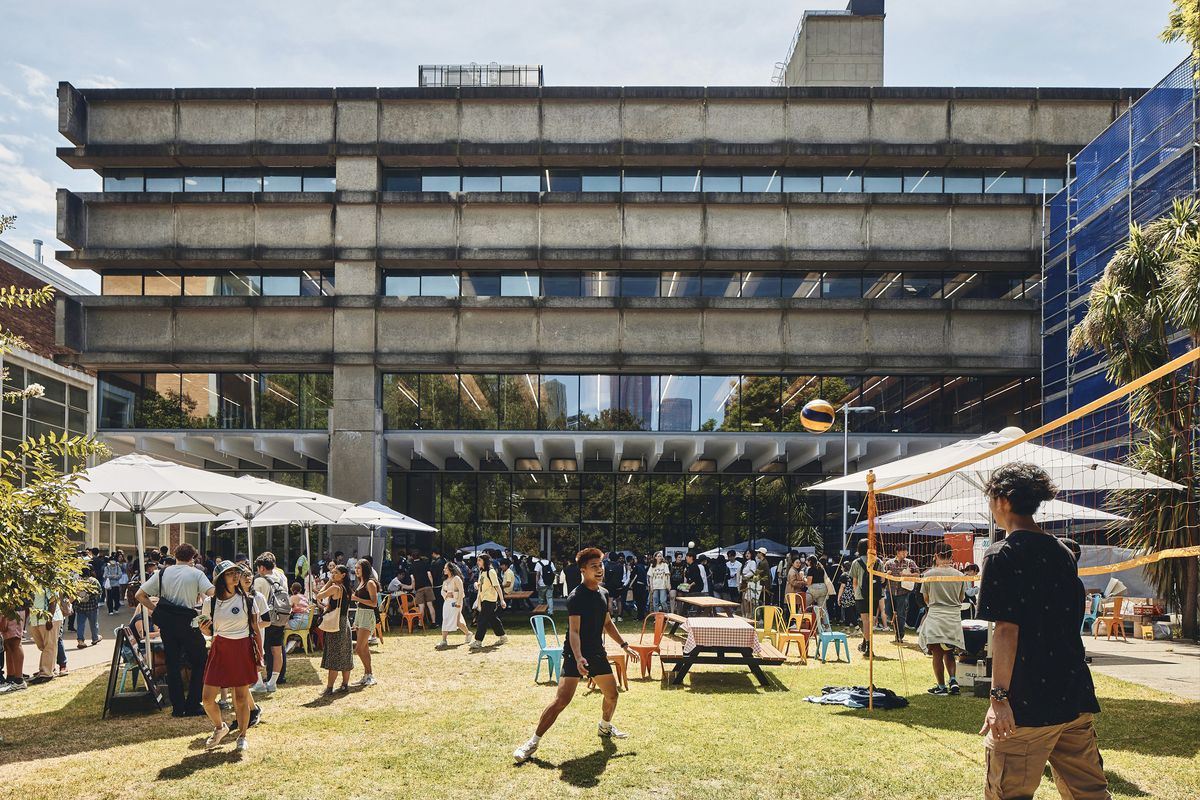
point(385, 600)
point(800, 616)
point(300, 633)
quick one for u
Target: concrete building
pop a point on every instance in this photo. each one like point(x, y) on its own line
point(564, 314)
point(836, 48)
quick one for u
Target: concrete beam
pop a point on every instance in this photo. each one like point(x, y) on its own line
point(202, 447)
point(766, 453)
point(278, 449)
point(241, 447)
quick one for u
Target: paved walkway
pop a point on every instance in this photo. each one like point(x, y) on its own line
point(90, 656)
point(1169, 666)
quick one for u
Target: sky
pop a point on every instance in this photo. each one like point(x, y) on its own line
point(132, 43)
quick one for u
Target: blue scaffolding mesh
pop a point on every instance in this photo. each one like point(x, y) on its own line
point(1131, 173)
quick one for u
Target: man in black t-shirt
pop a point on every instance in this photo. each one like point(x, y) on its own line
point(584, 657)
point(422, 575)
point(1042, 697)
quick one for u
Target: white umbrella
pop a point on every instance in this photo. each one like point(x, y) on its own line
point(266, 498)
point(1069, 471)
point(975, 513)
point(377, 515)
point(142, 485)
point(922, 527)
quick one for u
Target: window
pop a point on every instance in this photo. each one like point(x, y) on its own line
point(163, 184)
point(274, 285)
point(761, 182)
point(639, 284)
point(117, 284)
point(681, 181)
point(681, 284)
point(842, 182)
point(520, 284)
point(882, 285)
point(1003, 182)
point(244, 183)
point(481, 183)
point(160, 284)
point(408, 180)
point(720, 284)
point(598, 284)
point(561, 284)
point(922, 284)
point(601, 181)
point(202, 183)
point(521, 182)
point(319, 183)
point(281, 183)
point(716, 182)
point(559, 180)
point(841, 285)
point(925, 181)
point(241, 284)
point(440, 182)
point(801, 285)
point(481, 284)
point(444, 284)
point(964, 184)
point(760, 284)
point(802, 183)
point(638, 181)
point(395, 285)
point(882, 183)
point(118, 182)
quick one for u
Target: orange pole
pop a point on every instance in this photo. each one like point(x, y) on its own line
point(871, 551)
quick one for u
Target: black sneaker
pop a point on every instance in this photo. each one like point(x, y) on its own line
point(255, 716)
point(938, 690)
point(954, 687)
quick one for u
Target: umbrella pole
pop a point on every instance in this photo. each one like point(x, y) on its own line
point(308, 559)
point(141, 544)
point(250, 538)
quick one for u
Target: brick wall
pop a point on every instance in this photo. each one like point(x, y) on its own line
point(34, 325)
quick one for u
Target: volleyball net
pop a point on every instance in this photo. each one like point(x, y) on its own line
point(1125, 468)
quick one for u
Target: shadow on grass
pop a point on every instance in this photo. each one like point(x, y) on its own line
point(200, 761)
point(705, 682)
point(585, 771)
point(1148, 727)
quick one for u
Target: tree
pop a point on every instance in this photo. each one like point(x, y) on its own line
point(1184, 23)
point(36, 517)
point(1148, 297)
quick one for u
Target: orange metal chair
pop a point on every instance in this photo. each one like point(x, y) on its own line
point(1114, 623)
point(800, 617)
point(646, 652)
point(409, 614)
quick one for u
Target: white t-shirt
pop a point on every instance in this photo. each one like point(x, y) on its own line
point(734, 568)
point(229, 616)
point(179, 584)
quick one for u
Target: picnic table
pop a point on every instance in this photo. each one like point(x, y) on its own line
point(704, 606)
point(721, 640)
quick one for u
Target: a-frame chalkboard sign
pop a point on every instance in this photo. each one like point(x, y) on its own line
point(139, 698)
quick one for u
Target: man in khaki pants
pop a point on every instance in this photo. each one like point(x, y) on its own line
point(1042, 698)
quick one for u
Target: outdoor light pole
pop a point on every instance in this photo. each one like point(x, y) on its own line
point(846, 410)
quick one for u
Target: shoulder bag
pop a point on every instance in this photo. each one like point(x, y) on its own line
point(331, 623)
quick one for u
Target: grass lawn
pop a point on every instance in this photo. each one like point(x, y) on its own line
point(444, 725)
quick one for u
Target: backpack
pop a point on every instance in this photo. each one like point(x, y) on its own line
point(279, 605)
point(547, 573)
point(720, 572)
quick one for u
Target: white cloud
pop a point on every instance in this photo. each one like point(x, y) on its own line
point(36, 81)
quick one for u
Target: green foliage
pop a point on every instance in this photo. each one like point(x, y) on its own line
point(1149, 295)
point(1184, 23)
point(36, 517)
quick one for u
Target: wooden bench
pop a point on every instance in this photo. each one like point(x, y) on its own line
point(539, 609)
point(674, 620)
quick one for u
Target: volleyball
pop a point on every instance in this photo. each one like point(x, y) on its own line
point(817, 416)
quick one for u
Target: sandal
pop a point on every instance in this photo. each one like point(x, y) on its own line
point(343, 689)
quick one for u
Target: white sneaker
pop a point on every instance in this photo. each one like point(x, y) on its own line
point(241, 744)
point(611, 732)
point(525, 751)
point(369, 680)
point(502, 640)
point(217, 736)
point(476, 644)
point(468, 638)
point(372, 641)
point(260, 687)
point(272, 687)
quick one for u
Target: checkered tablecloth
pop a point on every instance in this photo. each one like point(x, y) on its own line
point(720, 632)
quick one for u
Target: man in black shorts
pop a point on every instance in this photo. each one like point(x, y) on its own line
point(584, 656)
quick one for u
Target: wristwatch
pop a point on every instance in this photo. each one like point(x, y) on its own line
point(624, 645)
point(999, 695)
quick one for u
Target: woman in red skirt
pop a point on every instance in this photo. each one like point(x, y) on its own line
point(235, 653)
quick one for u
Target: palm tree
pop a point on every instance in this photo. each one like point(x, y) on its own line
point(1149, 296)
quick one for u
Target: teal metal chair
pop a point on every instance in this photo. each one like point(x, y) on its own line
point(552, 655)
point(826, 635)
point(1089, 619)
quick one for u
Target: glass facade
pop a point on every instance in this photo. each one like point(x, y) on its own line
point(695, 403)
point(636, 511)
point(63, 408)
point(225, 400)
point(752, 284)
point(220, 180)
point(706, 179)
point(219, 283)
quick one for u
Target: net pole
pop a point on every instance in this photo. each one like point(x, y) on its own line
point(868, 631)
